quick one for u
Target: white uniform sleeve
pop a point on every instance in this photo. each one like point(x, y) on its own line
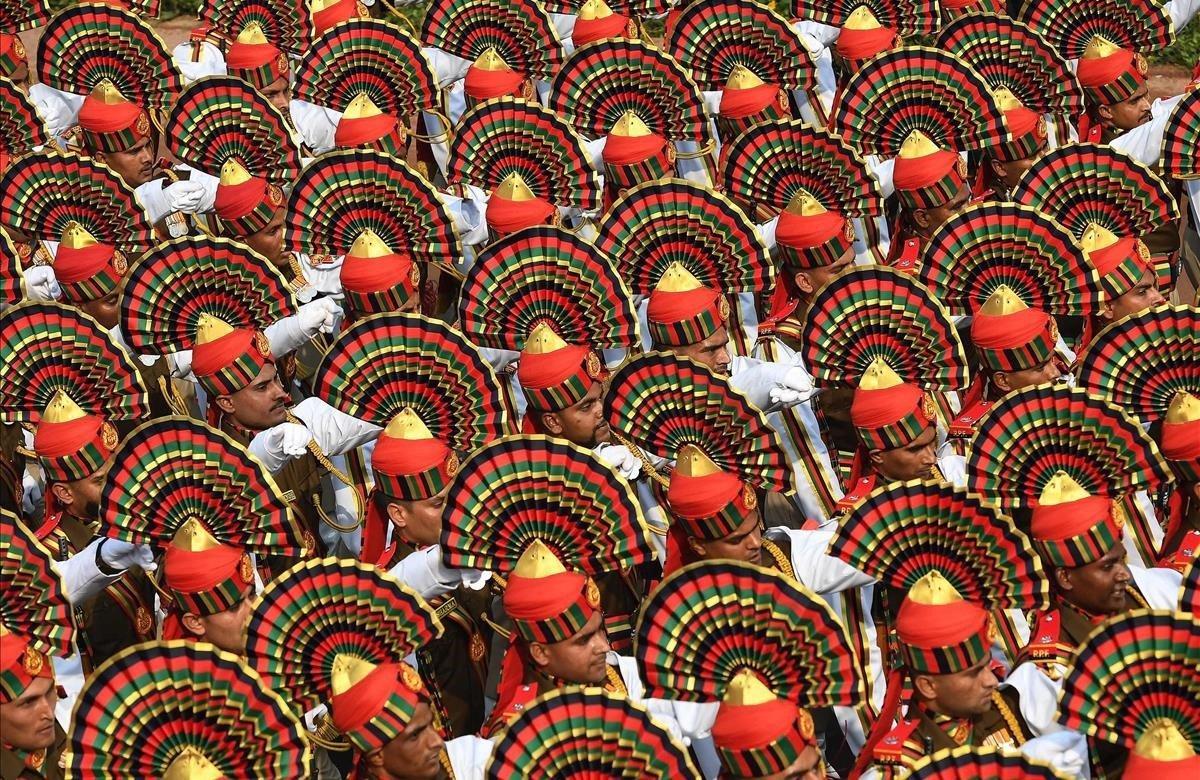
point(469, 757)
point(448, 67)
point(335, 432)
point(1181, 12)
point(1160, 586)
point(1039, 697)
point(82, 578)
point(424, 572)
point(1144, 143)
point(58, 109)
point(816, 569)
point(1066, 751)
point(196, 64)
point(315, 124)
point(756, 378)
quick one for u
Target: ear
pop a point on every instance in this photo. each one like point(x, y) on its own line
point(875, 457)
point(61, 494)
point(192, 623)
point(1000, 380)
point(1062, 578)
point(803, 282)
point(397, 514)
point(696, 547)
point(551, 423)
point(1105, 113)
point(921, 218)
point(539, 654)
point(997, 167)
point(925, 686)
point(1106, 311)
point(225, 403)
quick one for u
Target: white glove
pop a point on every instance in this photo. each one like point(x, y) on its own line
point(620, 459)
point(289, 438)
point(190, 197)
point(318, 316)
point(279, 444)
point(796, 387)
point(123, 555)
point(40, 284)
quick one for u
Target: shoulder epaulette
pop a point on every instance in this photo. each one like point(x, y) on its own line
point(963, 426)
point(857, 492)
point(1045, 644)
point(891, 749)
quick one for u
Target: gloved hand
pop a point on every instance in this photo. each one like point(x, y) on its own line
point(120, 555)
point(622, 460)
point(795, 388)
point(288, 439)
point(318, 316)
point(190, 197)
point(40, 284)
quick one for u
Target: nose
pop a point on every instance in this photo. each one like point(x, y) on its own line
point(1123, 573)
point(1156, 297)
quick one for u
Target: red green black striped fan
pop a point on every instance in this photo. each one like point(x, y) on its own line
point(509, 135)
point(551, 275)
point(34, 602)
point(1140, 362)
point(21, 127)
point(86, 44)
point(46, 347)
point(520, 31)
point(602, 81)
point(1080, 184)
point(521, 488)
point(660, 223)
point(662, 402)
point(918, 88)
point(1140, 25)
point(772, 162)
point(1150, 657)
point(343, 193)
point(19, 15)
point(1008, 54)
point(287, 24)
point(639, 9)
point(1031, 434)
point(879, 313)
point(906, 17)
point(45, 191)
point(992, 244)
point(147, 8)
point(372, 57)
point(1189, 592)
point(710, 620)
point(173, 469)
point(588, 733)
point(387, 363)
point(1179, 152)
point(712, 39)
point(324, 608)
point(970, 763)
point(905, 530)
point(222, 118)
point(10, 271)
point(171, 286)
point(187, 709)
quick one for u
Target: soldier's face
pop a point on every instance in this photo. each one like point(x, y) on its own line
point(712, 352)
point(1130, 113)
point(915, 460)
point(268, 242)
point(81, 497)
point(106, 310)
point(582, 424)
point(27, 722)
point(744, 544)
point(419, 522)
point(1008, 381)
point(260, 404)
point(224, 629)
point(963, 694)
point(135, 165)
point(1144, 295)
point(279, 94)
point(1101, 587)
point(581, 660)
point(416, 753)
